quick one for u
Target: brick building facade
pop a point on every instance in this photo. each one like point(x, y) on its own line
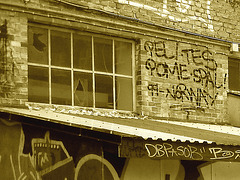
point(169, 61)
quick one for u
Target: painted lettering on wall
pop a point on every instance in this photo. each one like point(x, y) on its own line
point(193, 68)
point(197, 96)
point(167, 150)
point(159, 149)
point(219, 153)
point(189, 151)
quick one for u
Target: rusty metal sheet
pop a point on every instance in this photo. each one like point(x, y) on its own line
point(159, 149)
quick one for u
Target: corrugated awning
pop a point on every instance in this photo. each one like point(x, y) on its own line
point(135, 127)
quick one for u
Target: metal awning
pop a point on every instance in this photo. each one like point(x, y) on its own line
point(135, 127)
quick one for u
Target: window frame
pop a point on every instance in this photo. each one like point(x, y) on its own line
point(93, 72)
point(236, 60)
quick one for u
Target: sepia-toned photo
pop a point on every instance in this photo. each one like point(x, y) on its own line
point(119, 89)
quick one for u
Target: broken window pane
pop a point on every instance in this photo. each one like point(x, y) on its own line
point(82, 52)
point(38, 89)
point(61, 87)
point(103, 55)
point(123, 57)
point(60, 49)
point(38, 43)
point(104, 91)
point(88, 81)
point(124, 94)
point(83, 89)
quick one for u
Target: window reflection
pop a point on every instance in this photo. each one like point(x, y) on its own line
point(83, 91)
point(104, 91)
point(60, 49)
point(38, 89)
point(82, 52)
point(61, 87)
point(123, 57)
point(103, 55)
point(124, 93)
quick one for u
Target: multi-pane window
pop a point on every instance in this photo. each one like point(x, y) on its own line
point(234, 74)
point(79, 69)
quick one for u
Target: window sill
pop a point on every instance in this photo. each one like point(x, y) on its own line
point(236, 93)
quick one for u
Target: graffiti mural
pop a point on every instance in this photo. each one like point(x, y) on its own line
point(48, 159)
point(195, 75)
point(51, 159)
point(14, 164)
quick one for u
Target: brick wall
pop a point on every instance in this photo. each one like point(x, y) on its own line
point(179, 75)
point(212, 18)
point(183, 79)
point(13, 69)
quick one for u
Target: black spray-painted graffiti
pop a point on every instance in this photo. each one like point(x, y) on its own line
point(198, 96)
point(197, 65)
point(198, 75)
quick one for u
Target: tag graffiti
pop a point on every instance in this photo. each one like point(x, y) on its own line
point(219, 153)
point(167, 150)
point(181, 92)
point(188, 65)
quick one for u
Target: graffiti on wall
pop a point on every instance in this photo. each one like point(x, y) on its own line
point(176, 150)
point(14, 164)
point(193, 68)
point(167, 150)
point(50, 159)
point(182, 6)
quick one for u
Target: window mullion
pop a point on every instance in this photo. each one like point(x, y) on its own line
point(49, 67)
point(93, 74)
point(72, 75)
point(114, 80)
